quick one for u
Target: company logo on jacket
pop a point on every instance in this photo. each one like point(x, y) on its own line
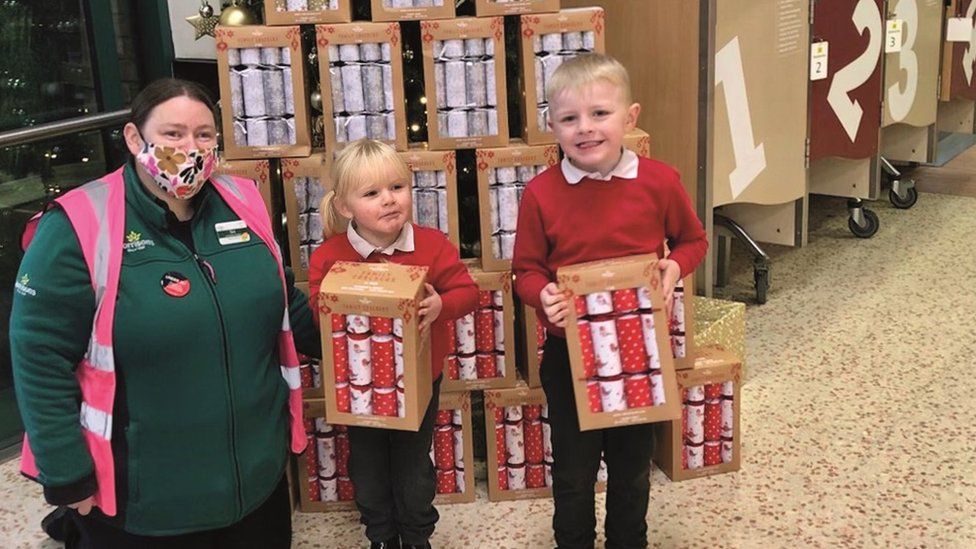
point(22, 286)
point(135, 243)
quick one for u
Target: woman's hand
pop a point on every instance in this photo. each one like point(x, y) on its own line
point(84, 506)
point(555, 304)
point(430, 308)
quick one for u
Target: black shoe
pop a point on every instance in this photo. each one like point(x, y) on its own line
point(55, 524)
point(392, 543)
point(424, 546)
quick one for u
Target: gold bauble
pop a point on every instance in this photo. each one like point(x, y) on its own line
point(236, 16)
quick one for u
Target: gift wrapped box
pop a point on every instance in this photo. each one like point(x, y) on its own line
point(487, 8)
point(377, 364)
point(305, 181)
point(411, 10)
point(361, 75)
point(322, 470)
point(502, 175)
point(464, 76)
point(452, 449)
point(618, 338)
point(548, 39)
point(297, 12)
point(258, 171)
point(264, 94)
point(706, 439)
point(722, 324)
point(434, 189)
point(483, 348)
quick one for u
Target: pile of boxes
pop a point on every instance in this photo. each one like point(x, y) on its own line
point(375, 370)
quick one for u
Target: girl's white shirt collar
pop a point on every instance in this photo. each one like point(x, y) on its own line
point(404, 242)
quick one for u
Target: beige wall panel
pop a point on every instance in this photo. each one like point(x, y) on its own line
point(843, 177)
point(904, 143)
point(956, 116)
point(760, 101)
point(658, 43)
point(911, 85)
point(774, 224)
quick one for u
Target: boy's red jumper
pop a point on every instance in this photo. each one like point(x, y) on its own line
point(446, 274)
point(562, 224)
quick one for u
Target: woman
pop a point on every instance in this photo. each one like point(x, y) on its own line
point(153, 361)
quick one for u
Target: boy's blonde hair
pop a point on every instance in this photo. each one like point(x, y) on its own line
point(586, 69)
point(358, 164)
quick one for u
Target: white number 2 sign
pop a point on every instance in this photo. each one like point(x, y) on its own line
point(970, 55)
point(900, 101)
point(750, 159)
point(866, 18)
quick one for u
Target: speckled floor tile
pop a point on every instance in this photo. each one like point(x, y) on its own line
point(857, 424)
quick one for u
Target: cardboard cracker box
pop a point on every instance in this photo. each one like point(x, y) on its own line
point(499, 456)
point(713, 366)
point(547, 39)
point(466, 97)
point(365, 295)
point(497, 306)
point(488, 8)
point(404, 10)
point(459, 404)
point(368, 59)
point(257, 170)
point(533, 339)
point(502, 176)
point(422, 161)
point(277, 12)
point(621, 381)
point(305, 182)
point(638, 141)
point(327, 445)
point(264, 89)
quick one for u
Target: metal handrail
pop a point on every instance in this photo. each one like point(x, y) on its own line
point(64, 127)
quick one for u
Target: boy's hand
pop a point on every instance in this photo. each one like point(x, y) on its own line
point(555, 304)
point(670, 273)
point(430, 308)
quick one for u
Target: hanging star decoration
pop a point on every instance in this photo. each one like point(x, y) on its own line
point(205, 21)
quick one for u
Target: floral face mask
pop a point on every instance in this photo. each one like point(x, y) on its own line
point(179, 172)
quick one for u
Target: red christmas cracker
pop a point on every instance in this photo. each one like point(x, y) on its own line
point(593, 394)
point(444, 447)
point(586, 347)
point(381, 325)
point(624, 301)
point(638, 390)
point(346, 490)
point(535, 475)
point(533, 441)
point(713, 419)
point(486, 366)
point(340, 356)
point(484, 327)
point(630, 337)
point(446, 481)
point(343, 397)
point(385, 401)
point(384, 367)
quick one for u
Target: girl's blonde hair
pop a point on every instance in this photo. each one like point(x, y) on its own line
point(586, 69)
point(358, 164)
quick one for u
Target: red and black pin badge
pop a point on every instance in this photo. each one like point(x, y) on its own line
point(175, 284)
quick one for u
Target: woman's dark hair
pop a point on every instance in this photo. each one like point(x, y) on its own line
point(163, 90)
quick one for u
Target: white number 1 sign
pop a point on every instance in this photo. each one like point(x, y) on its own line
point(750, 159)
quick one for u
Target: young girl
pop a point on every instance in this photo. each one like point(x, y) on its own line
point(366, 218)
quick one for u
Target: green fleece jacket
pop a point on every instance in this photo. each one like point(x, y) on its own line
point(200, 421)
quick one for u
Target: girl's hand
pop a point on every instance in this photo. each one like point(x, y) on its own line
point(555, 304)
point(670, 273)
point(430, 308)
point(84, 506)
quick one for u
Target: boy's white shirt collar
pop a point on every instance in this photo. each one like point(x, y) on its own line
point(404, 242)
point(626, 168)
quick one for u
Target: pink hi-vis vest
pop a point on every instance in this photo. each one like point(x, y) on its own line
point(96, 211)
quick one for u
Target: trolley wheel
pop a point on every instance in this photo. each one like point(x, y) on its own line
point(903, 203)
point(762, 284)
point(871, 224)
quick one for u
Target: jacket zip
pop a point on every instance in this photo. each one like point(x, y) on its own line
point(208, 273)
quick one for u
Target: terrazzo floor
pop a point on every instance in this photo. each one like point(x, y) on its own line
point(857, 409)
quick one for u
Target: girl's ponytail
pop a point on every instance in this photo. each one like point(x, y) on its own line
point(332, 222)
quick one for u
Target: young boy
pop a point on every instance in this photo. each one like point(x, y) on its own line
point(600, 202)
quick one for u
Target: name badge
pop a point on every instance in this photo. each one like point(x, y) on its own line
point(232, 232)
